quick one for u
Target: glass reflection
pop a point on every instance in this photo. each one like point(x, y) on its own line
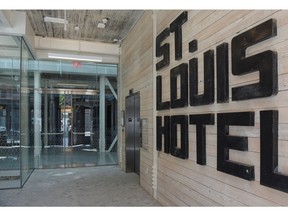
point(9, 112)
point(49, 113)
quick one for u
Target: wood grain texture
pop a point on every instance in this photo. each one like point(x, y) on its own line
point(136, 69)
point(184, 182)
point(118, 26)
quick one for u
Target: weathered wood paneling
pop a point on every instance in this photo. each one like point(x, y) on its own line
point(118, 26)
point(136, 74)
point(184, 182)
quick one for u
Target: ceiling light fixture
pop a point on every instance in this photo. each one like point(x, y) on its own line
point(72, 84)
point(75, 57)
point(58, 20)
point(55, 20)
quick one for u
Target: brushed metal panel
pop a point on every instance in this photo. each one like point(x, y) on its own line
point(133, 133)
point(129, 134)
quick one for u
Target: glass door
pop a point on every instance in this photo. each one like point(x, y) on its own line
point(71, 137)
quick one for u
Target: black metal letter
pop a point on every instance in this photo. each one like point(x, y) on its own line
point(159, 104)
point(269, 152)
point(183, 152)
point(176, 27)
point(181, 71)
point(264, 62)
point(208, 96)
point(163, 50)
point(163, 130)
point(201, 121)
point(222, 73)
point(226, 142)
point(193, 46)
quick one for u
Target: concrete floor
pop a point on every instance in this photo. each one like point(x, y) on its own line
point(87, 186)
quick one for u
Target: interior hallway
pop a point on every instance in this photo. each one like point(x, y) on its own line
point(89, 186)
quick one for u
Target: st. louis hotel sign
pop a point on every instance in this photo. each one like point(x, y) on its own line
point(267, 86)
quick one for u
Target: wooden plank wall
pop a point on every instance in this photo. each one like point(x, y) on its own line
point(136, 73)
point(184, 182)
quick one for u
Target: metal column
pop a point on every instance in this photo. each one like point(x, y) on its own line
point(45, 122)
point(102, 115)
point(37, 119)
point(78, 122)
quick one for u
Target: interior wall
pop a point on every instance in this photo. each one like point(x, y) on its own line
point(136, 73)
point(183, 182)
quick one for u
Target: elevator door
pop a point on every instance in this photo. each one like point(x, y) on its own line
point(132, 133)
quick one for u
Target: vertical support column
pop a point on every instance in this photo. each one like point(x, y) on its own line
point(94, 136)
point(54, 120)
point(78, 122)
point(46, 116)
point(113, 127)
point(120, 128)
point(9, 125)
point(102, 115)
point(112, 118)
point(25, 119)
point(37, 118)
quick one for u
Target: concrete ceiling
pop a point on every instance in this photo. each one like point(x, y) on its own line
point(82, 24)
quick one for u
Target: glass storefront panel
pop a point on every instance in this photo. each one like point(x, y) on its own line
point(50, 113)
point(9, 112)
point(70, 119)
point(26, 114)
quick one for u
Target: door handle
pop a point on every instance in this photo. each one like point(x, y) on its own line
point(129, 119)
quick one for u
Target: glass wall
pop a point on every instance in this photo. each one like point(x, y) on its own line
point(26, 114)
point(10, 53)
point(50, 113)
point(70, 100)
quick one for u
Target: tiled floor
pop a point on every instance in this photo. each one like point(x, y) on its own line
point(87, 186)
